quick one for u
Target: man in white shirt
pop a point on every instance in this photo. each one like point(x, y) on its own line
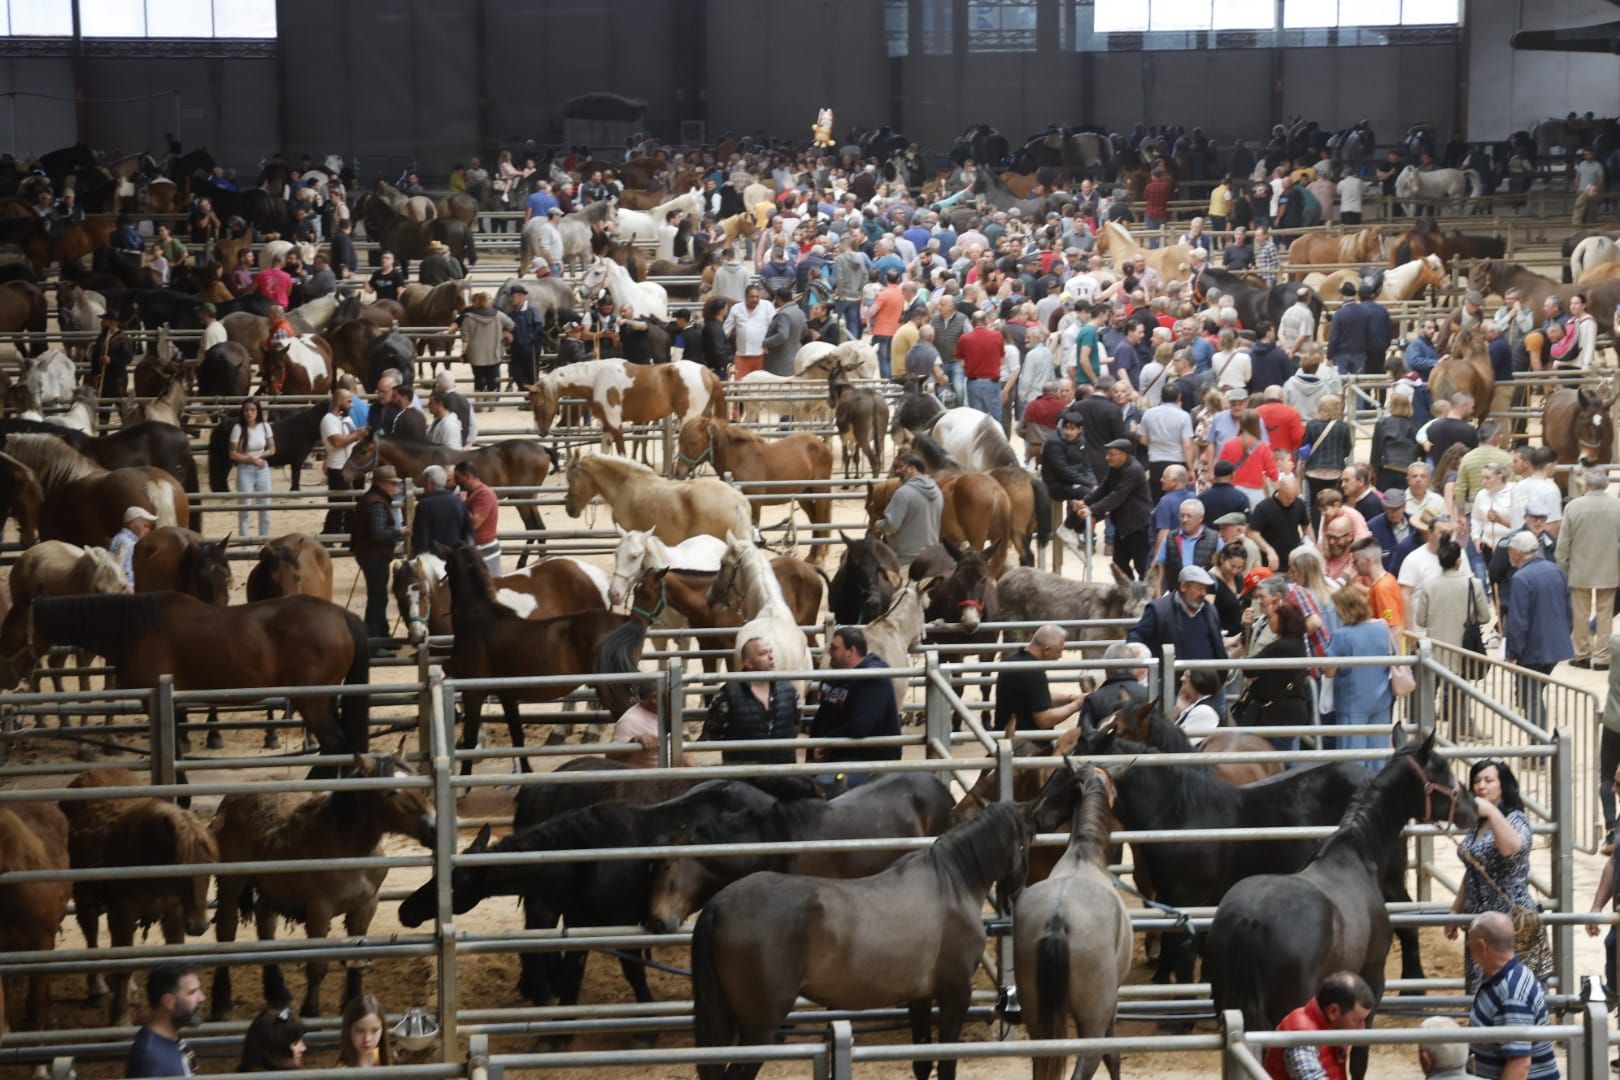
point(1167, 432)
point(1529, 465)
point(747, 324)
point(1423, 562)
point(213, 328)
point(1419, 496)
point(1231, 363)
point(338, 434)
point(1298, 323)
point(1349, 189)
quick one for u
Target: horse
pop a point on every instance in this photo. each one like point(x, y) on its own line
point(1030, 595)
point(174, 559)
point(111, 833)
point(226, 370)
point(742, 455)
point(292, 565)
point(158, 445)
point(1276, 936)
point(297, 367)
point(22, 307)
point(619, 393)
point(1466, 368)
point(1029, 502)
point(50, 375)
point(167, 406)
point(639, 498)
point(734, 229)
point(1448, 185)
point(1578, 426)
point(868, 575)
point(965, 596)
point(1496, 277)
point(894, 634)
point(609, 892)
point(1255, 303)
point(1115, 242)
point(861, 416)
point(646, 298)
point(492, 641)
point(21, 498)
point(912, 934)
point(1591, 253)
point(894, 806)
point(33, 836)
point(409, 239)
point(977, 512)
point(293, 641)
point(819, 359)
point(640, 551)
point(1072, 940)
point(970, 440)
point(576, 230)
point(545, 590)
point(1407, 281)
point(785, 396)
point(343, 824)
point(1146, 724)
point(295, 436)
point(85, 503)
point(1361, 246)
point(747, 582)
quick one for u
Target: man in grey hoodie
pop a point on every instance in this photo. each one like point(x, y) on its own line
point(911, 522)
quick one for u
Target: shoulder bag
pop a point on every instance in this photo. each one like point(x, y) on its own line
point(1472, 667)
point(1529, 936)
point(1324, 474)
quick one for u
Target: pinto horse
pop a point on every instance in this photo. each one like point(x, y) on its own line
point(619, 393)
point(85, 503)
point(745, 456)
point(546, 590)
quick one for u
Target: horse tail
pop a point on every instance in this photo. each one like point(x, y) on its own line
point(1229, 964)
point(714, 1024)
point(1052, 990)
point(354, 710)
point(1043, 511)
point(219, 458)
point(618, 652)
point(190, 482)
point(162, 496)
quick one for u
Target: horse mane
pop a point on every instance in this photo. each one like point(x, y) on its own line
point(779, 822)
point(472, 593)
point(932, 452)
point(603, 825)
point(1183, 789)
point(1088, 832)
point(54, 462)
point(977, 851)
point(617, 467)
point(431, 569)
point(1374, 812)
point(1166, 737)
point(108, 625)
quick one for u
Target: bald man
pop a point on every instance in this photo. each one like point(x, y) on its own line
point(1508, 996)
point(1022, 695)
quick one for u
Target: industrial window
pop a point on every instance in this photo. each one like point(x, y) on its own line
point(897, 26)
point(140, 18)
point(938, 27)
point(1314, 14)
point(1170, 16)
point(36, 18)
point(1001, 25)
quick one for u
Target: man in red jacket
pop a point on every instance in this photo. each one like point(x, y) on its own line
point(1284, 428)
point(980, 351)
point(1156, 202)
point(1341, 1003)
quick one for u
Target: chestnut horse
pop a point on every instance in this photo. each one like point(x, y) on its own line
point(746, 456)
point(977, 512)
point(1466, 368)
point(33, 836)
point(85, 503)
point(21, 498)
point(1361, 246)
point(546, 590)
point(619, 393)
point(292, 565)
point(175, 559)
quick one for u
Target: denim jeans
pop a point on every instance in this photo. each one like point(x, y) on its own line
point(957, 377)
point(850, 312)
point(1151, 223)
point(253, 478)
point(1481, 570)
point(881, 344)
point(1350, 363)
point(1361, 742)
point(985, 395)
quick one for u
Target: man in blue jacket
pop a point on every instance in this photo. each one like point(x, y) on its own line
point(1380, 330)
point(1347, 335)
point(1538, 621)
point(1394, 532)
point(855, 708)
point(1187, 620)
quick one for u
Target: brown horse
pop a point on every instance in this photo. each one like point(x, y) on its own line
point(862, 417)
point(292, 565)
point(1361, 246)
point(293, 641)
point(1578, 425)
point(1029, 503)
point(112, 833)
point(344, 824)
point(433, 305)
point(549, 589)
point(1144, 724)
point(1496, 277)
point(21, 498)
point(167, 406)
point(687, 593)
point(1466, 368)
point(492, 641)
point(977, 512)
point(85, 503)
point(82, 238)
point(175, 559)
point(33, 836)
point(619, 393)
point(746, 456)
point(22, 307)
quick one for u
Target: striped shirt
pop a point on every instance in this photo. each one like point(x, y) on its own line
point(1512, 998)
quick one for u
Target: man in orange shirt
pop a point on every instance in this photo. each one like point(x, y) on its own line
point(886, 318)
point(1384, 594)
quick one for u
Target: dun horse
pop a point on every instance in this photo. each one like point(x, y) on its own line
point(640, 499)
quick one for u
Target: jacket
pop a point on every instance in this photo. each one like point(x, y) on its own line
point(1204, 548)
point(1166, 622)
point(376, 530)
point(1394, 444)
point(1123, 496)
point(1066, 467)
point(1269, 365)
point(437, 269)
point(1380, 332)
point(1539, 623)
point(783, 339)
point(1104, 423)
point(1303, 391)
point(526, 328)
point(849, 275)
point(1308, 1017)
point(858, 709)
point(481, 329)
point(911, 521)
point(1395, 550)
point(736, 714)
point(441, 519)
point(1588, 551)
point(1350, 331)
point(715, 347)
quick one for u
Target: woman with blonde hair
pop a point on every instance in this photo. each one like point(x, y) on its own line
point(1394, 441)
point(1361, 695)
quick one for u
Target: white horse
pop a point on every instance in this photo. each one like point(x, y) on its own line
point(646, 299)
point(639, 551)
point(973, 438)
point(279, 249)
point(1590, 253)
point(643, 224)
point(50, 377)
point(1448, 184)
point(763, 606)
point(81, 415)
point(816, 360)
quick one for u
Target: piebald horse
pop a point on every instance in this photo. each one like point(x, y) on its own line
point(619, 393)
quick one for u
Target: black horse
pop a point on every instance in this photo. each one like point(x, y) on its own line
point(865, 583)
point(1255, 305)
point(612, 892)
point(1275, 937)
point(295, 437)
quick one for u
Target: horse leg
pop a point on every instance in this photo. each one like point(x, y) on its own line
point(635, 973)
point(472, 708)
point(121, 932)
point(1411, 953)
point(919, 1013)
point(514, 728)
point(317, 924)
point(215, 741)
point(276, 994)
point(532, 523)
point(225, 920)
point(89, 924)
point(355, 923)
point(819, 511)
point(953, 1010)
point(535, 969)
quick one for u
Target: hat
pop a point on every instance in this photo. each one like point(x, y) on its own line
point(1073, 416)
point(1124, 446)
point(1395, 497)
point(206, 308)
point(109, 315)
point(1428, 518)
point(435, 245)
point(1254, 577)
point(1225, 468)
point(1197, 575)
point(1236, 517)
point(384, 472)
point(555, 210)
point(519, 288)
point(138, 513)
point(1538, 506)
point(1473, 297)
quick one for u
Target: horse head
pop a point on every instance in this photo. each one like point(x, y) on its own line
point(543, 397)
point(396, 809)
point(695, 446)
point(422, 904)
point(581, 488)
point(868, 575)
point(1444, 801)
point(101, 573)
point(630, 558)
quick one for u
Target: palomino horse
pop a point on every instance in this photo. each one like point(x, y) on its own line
point(546, 590)
point(862, 416)
point(21, 498)
point(1361, 246)
point(1407, 281)
point(174, 559)
point(292, 565)
point(1578, 425)
point(977, 512)
point(747, 583)
point(744, 456)
point(297, 640)
point(33, 836)
point(619, 393)
point(85, 503)
point(344, 824)
point(1116, 243)
point(1072, 939)
point(1275, 937)
point(493, 641)
point(639, 498)
point(1466, 368)
point(112, 833)
point(898, 805)
point(912, 934)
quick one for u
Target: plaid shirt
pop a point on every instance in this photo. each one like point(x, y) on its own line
point(1267, 261)
point(1317, 641)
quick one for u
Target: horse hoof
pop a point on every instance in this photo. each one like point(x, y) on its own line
point(272, 741)
point(310, 1011)
point(215, 741)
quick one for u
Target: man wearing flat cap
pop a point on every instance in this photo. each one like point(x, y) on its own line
point(110, 358)
point(376, 532)
point(1123, 498)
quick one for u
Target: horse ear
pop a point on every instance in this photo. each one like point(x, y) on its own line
point(1119, 575)
point(481, 841)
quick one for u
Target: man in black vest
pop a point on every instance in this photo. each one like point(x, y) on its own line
point(762, 708)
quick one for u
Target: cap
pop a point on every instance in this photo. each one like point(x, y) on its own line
point(1073, 416)
point(1236, 517)
point(1428, 518)
point(1395, 497)
point(1538, 506)
point(1225, 468)
point(520, 288)
point(109, 315)
point(138, 513)
point(205, 308)
point(385, 472)
point(1255, 577)
point(1197, 575)
point(555, 211)
point(1122, 445)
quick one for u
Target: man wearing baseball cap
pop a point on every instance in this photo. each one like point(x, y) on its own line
point(1184, 619)
point(1123, 498)
point(1537, 515)
point(138, 521)
point(376, 532)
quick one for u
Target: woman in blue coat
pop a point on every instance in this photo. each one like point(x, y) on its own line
point(1361, 695)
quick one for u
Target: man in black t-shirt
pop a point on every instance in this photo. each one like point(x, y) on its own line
point(1278, 523)
point(633, 337)
point(1022, 697)
point(1446, 432)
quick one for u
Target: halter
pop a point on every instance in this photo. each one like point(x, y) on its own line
point(1430, 789)
point(971, 604)
point(693, 462)
point(658, 608)
point(724, 592)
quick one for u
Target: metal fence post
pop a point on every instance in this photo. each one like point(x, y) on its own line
point(408, 514)
point(444, 849)
point(669, 446)
point(424, 700)
point(1232, 1028)
point(673, 735)
point(160, 712)
point(1595, 1044)
point(840, 1063)
point(1563, 856)
point(1004, 770)
point(936, 712)
point(1424, 714)
point(1167, 684)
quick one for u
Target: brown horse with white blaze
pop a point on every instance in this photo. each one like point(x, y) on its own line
point(746, 457)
